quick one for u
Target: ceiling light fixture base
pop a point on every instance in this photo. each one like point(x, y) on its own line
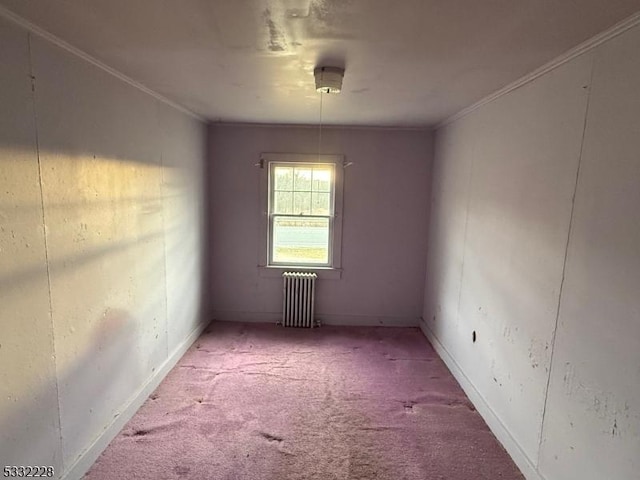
point(328, 79)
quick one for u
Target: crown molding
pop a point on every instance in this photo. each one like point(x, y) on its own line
point(580, 49)
point(221, 123)
point(42, 33)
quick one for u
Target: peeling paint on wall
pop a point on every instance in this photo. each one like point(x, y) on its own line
point(614, 413)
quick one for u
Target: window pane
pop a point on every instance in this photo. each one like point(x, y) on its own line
point(302, 203)
point(302, 179)
point(283, 178)
point(300, 240)
point(322, 179)
point(283, 202)
point(321, 204)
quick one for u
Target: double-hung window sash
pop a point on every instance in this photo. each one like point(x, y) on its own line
point(301, 213)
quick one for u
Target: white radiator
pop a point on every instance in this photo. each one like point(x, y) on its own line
point(298, 299)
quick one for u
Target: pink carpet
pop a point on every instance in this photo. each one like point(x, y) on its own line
point(267, 403)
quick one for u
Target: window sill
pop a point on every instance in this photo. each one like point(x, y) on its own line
point(324, 273)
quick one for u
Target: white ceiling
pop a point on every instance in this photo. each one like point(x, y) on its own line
point(408, 62)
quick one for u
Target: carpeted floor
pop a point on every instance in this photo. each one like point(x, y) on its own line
point(267, 403)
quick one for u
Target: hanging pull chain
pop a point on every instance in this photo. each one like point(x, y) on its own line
point(320, 128)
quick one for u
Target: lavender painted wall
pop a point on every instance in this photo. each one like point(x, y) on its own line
point(534, 246)
point(101, 240)
point(385, 222)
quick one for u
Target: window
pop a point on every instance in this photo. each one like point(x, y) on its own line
point(303, 198)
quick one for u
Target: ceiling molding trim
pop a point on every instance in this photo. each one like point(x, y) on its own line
point(40, 32)
point(582, 48)
point(217, 123)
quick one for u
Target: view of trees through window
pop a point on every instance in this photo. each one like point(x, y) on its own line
point(300, 213)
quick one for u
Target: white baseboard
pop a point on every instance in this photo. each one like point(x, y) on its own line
point(246, 317)
point(82, 464)
point(498, 428)
point(368, 321)
point(345, 320)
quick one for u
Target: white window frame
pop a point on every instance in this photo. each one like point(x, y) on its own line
point(334, 268)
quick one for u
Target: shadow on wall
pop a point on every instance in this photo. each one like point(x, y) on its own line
point(112, 347)
point(110, 226)
point(20, 279)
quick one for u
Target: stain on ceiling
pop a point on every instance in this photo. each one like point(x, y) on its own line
point(409, 63)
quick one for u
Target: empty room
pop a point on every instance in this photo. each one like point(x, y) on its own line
point(320, 239)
